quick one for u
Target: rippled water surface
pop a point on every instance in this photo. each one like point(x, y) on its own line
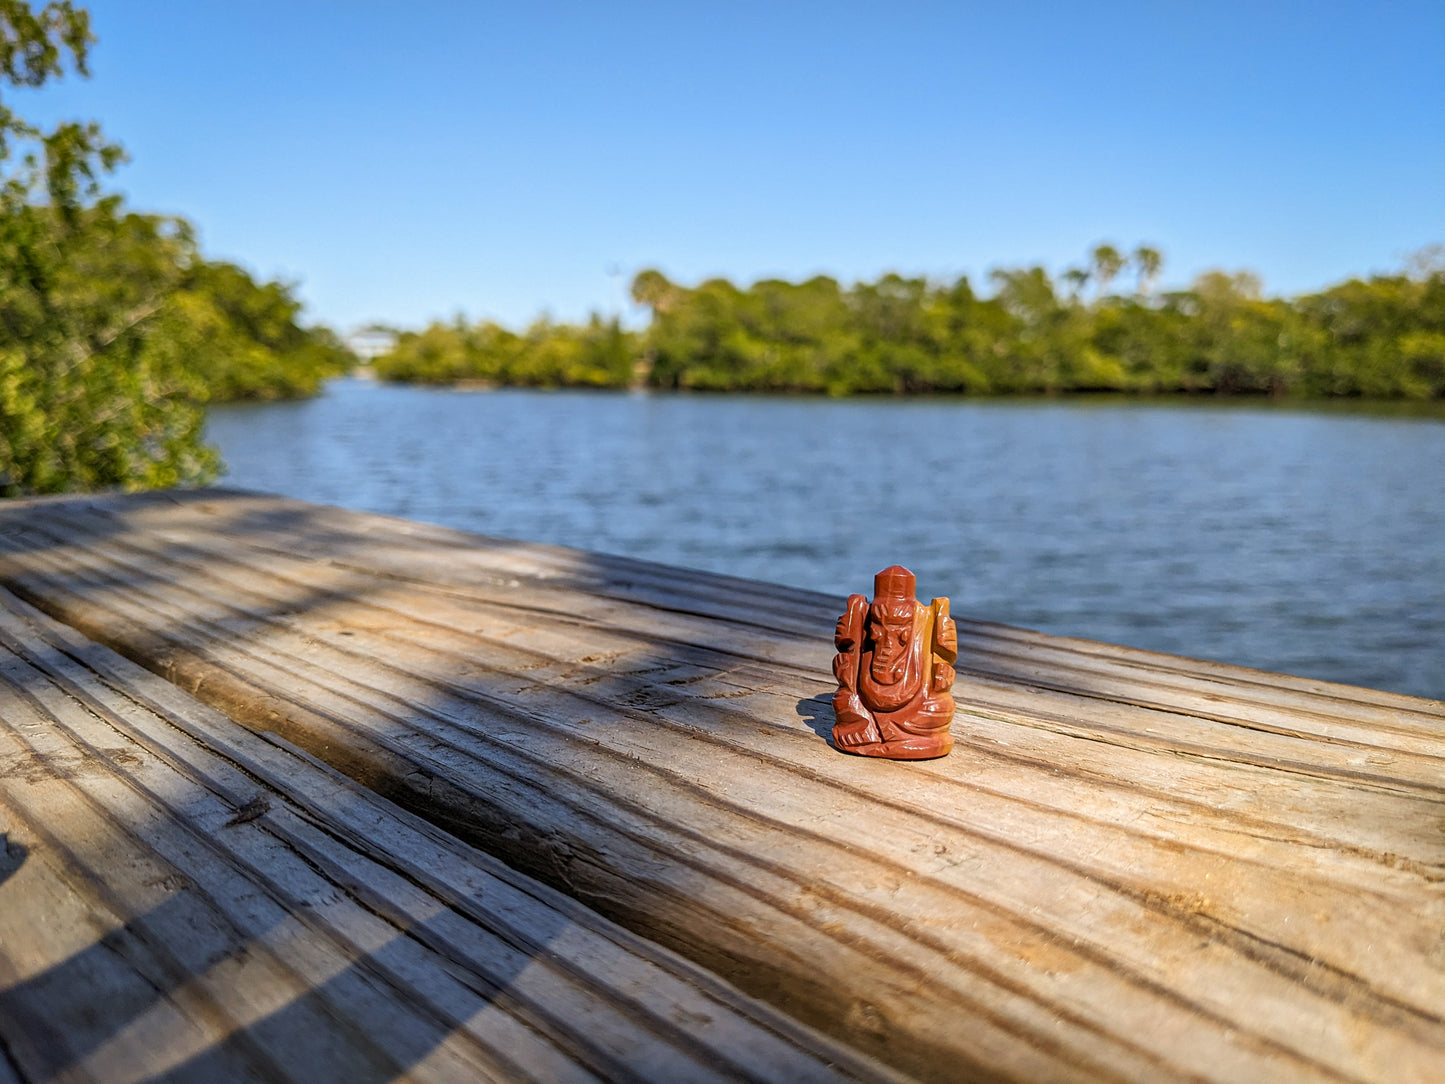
point(1310, 543)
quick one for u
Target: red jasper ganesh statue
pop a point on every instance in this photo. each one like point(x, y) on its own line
point(894, 670)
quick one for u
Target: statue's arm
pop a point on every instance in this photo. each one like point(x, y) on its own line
point(853, 726)
point(945, 632)
point(848, 639)
point(945, 648)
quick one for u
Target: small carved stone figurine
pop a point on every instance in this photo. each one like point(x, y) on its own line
point(894, 670)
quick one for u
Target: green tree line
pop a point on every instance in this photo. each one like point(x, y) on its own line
point(114, 331)
point(598, 354)
point(1381, 337)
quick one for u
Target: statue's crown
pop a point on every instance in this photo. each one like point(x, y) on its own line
point(895, 581)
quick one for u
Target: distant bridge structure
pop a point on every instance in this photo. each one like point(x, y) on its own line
point(371, 342)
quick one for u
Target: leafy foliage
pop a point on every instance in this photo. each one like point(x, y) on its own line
point(243, 339)
point(597, 355)
point(114, 332)
point(1380, 338)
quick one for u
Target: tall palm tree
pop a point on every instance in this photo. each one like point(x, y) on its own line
point(1107, 264)
point(1148, 261)
point(651, 288)
point(1077, 278)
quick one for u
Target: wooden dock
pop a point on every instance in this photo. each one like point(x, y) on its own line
point(1132, 867)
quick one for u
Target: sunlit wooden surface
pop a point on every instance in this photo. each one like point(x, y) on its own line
point(1133, 866)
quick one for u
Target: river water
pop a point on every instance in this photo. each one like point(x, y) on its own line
point(1305, 542)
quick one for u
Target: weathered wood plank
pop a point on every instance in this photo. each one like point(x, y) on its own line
point(1132, 866)
point(181, 896)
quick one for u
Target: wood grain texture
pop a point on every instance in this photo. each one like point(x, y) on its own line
point(1133, 866)
point(183, 899)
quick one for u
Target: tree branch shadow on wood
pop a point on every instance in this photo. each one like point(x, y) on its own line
point(237, 902)
point(66, 1017)
point(232, 917)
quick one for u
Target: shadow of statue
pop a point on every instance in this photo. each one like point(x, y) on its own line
point(817, 712)
point(12, 856)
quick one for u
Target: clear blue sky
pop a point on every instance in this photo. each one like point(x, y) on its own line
point(407, 161)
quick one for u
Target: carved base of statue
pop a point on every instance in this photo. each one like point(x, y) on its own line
point(894, 668)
